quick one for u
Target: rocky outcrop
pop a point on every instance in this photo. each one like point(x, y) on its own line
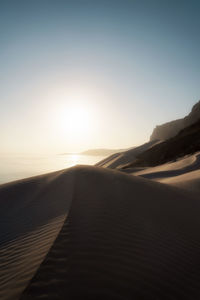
point(170, 129)
point(186, 142)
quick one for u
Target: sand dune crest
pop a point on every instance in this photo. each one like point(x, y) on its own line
point(125, 238)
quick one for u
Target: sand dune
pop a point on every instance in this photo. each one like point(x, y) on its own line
point(32, 213)
point(182, 166)
point(98, 234)
point(183, 173)
point(118, 160)
point(188, 181)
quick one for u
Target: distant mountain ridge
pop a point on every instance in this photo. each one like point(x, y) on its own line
point(170, 129)
point(100, 152)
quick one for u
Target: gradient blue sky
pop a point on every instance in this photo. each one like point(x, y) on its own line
point(135, 63)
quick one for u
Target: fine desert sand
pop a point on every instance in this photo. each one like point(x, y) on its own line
point(127, 228)
point(96, 233)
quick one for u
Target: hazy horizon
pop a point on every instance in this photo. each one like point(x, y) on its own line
point(79, 75)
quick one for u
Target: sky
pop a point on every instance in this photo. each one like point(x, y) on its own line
point(86, 74)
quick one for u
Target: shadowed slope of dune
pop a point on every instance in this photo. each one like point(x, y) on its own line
point(32, 213)
point(125, 238)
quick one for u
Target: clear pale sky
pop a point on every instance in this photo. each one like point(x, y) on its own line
point(94, 74)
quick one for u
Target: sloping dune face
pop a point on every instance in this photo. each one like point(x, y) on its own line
point(183, 173)
point(32, 213)
point(124, 238)
point(188, 181)
point(182, 166)
point(118, 160)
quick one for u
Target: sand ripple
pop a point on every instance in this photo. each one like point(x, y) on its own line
point(124, 238)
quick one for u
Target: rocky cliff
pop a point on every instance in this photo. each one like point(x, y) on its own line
point(170, 129)
point(186, 142)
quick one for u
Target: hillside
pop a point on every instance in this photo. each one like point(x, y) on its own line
point(187, 141)
point(170, 129)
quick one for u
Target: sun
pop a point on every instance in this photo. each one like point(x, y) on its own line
point(75, 121)
point(73, 117)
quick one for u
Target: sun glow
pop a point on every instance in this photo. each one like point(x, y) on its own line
point(75, 122)
point(73, 117)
